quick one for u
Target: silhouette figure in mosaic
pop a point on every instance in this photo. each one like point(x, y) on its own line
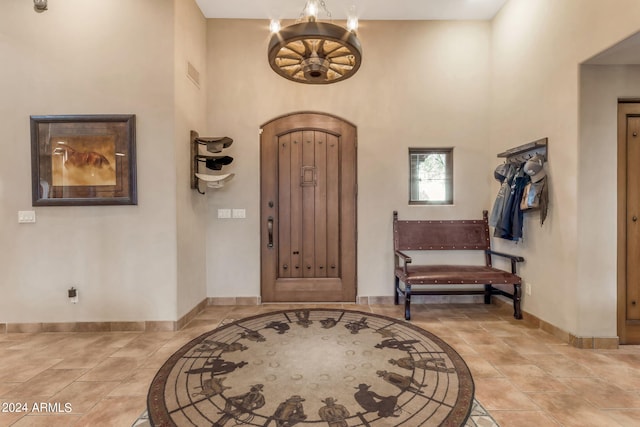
point(404, 383)
point(253, 336)
point(398, 345)
point(371, 401)
point(386, 333)
point(328, 323)
point(303, 318)
point(290, 412)
point(334, 414)
point(241, 407)
point(432, 364)
point(223, 346)
point(356, 327)
point(278, 326)
point(217, 366)
point(212, 387)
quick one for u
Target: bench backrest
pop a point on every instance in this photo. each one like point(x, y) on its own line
point(441, 235)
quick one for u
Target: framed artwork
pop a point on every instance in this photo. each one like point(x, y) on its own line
point(83, 160)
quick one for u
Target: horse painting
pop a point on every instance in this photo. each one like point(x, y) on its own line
point(76, 158)
point(84, 160)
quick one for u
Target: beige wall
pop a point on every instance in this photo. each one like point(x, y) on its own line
point(600, 88)
point(537, 46)
point(479, 87)
point(421, 84)
point(190, 114)
point(88, 57)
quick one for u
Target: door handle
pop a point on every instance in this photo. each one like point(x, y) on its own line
point(270, 231)
point(634, 218)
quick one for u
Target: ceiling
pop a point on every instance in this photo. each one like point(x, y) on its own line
point(627, 52)
point(365, 9)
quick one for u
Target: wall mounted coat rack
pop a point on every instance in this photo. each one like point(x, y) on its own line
point(524, 152)
point(210, 146)
point(531, 194)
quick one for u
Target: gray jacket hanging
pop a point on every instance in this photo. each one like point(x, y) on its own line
point(503, 173)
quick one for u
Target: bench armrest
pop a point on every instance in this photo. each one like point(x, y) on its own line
point(405, 258)
point(514, 259)
point(511, 257)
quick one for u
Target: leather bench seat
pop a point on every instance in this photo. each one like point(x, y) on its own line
point(455, 274)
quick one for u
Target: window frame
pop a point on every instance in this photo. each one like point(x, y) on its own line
point(449, 188)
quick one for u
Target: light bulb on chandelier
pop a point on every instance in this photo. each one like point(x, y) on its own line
point(352, 20)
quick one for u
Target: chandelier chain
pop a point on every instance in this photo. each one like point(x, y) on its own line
point(323, 4)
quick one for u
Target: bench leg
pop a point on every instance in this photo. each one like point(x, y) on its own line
point(407, 301)
point(487, 294)
point(517, 293)
point(396, 291)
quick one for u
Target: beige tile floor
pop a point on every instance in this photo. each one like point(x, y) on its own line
point(523, 376)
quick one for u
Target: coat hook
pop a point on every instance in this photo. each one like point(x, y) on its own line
point(40, 5)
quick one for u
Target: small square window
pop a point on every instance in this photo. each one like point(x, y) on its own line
point(430, 176)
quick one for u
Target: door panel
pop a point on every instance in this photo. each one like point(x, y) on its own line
point(629, 223)
point(308, 165)
point(287, 244)
point(306, 180)
point(320, 202)
point(333, 206)
point(633, 212)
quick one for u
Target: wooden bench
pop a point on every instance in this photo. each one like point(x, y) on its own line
point(455, 235)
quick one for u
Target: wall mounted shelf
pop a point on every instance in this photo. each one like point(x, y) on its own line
point(524, 152)
point(215, 181)
point(201, 153)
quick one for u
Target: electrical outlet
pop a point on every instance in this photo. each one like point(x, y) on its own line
point(238, 213)
point(72, 293)
point(224, 213)
point(527, 288)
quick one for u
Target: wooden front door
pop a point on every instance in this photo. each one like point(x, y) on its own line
point(629, 223)
point(308, 209)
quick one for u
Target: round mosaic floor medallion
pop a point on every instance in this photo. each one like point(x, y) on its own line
point(320, 367)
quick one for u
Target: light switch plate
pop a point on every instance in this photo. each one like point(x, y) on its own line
point(224, 213)
point(26, 217)
point(238, 213)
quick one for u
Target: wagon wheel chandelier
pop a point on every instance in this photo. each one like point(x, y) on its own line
point(315, 52)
